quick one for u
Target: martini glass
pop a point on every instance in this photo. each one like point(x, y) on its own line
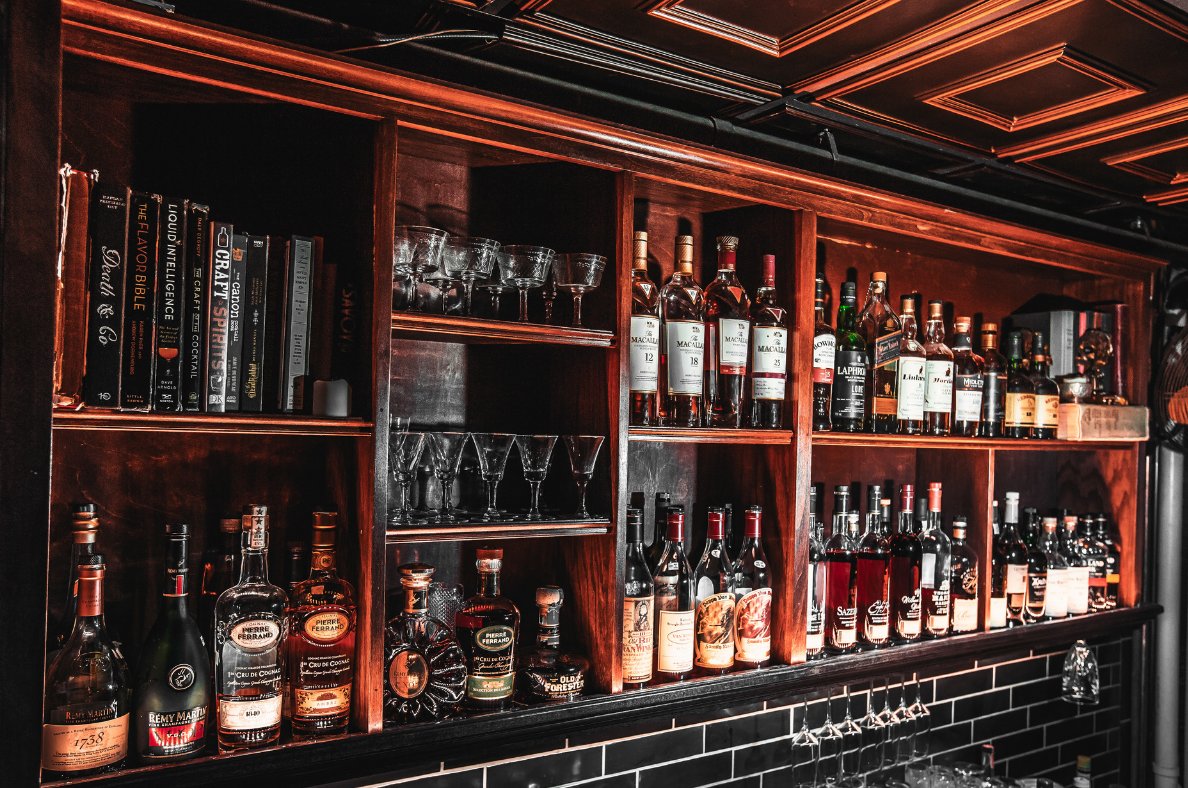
point(405, 451)
point(583, 453)
point(535, 451)
point(446, 450)
point(579, 274)
point(493, 449)
point(525, 267)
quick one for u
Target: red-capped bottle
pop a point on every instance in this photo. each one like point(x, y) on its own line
point(728, 336)
point(769, 352)
point(905, 574)
point(752, 587)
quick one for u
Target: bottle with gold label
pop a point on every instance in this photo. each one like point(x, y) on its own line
point(1047, 393)
point(488, 629)
point(752, 586)
point(639, 603)
point(85, 728)
point(321, 640)
point(1020, 392)
point(713, 581)
point(424, 666)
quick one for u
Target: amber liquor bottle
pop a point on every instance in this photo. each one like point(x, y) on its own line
point(675, 605)
point(909, 403)
point(1047, 393)
point(1095, 552)
point(644, 348)
point(935, 558)
point(659, 525)
point(488, 629)
point(874, 557)
point(548, 673)
point(963, 581)
point(84, 529)
point(321, 639)
point(1104, 534)
point(906, 558)
point(968, 381)
point(713, 581)
point(1010, 563)
point(881, 330)
point(841, 576)
point(938, 373)
point(1020, 392)
point(639, 603)
point(769, 353)
point(815, 629)
point(824, 352)
point(850, 367)
point(752, 586)
point(682, 305)
point(994, 381)
point(727, 337)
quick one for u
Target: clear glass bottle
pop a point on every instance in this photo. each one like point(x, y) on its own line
point(682, 305)
point(548, 673)
point(880, 329)
point(769, 353)
point(938, 372)
point(1038, 581)
point(968, 380)
point(675, 605)
point(424, 665)
point(659, 525)
point(713, 581)
point(644, 352)
point(906, 558)
point(841, 576)
point(250, 645)
point(874, 579)
point(1047, 393)
point(488, 626)
point(911, 372)
point(963, 580)
point(850, 367)
point(815, 630)
point(639, 604)
point(1020, 392)
point(1079, 568)
point(1056, 598)
point(935, 562)
point(1011, 563)
point(994, 381)
point(220, 571)
point(752, 587)
point(727, 339)
point(824, 356)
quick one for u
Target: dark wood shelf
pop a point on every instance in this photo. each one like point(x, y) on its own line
point(478, 531)
point(262, 424)
point(870, 440)
point(710, 435)
point(473, 330)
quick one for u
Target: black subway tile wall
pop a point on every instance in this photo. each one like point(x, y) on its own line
point(1012, 702)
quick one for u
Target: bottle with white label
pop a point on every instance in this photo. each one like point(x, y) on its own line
point(935, 557)
point(682, 306)
point(968, 380)
point(249, 642)
point(639, 603)
point(963, 581)
point(841, 576)
point(1010, 563)
point(1047, 393)
point(938, 373)
point(881, 329)
point(727, 338)
point(752, 587)
point(675, 605)
point(1019, 420)
point(1056, 597)
point(713, 582)
point(644, 340)
point(850, 367)
point(909, 405)
point(815, 630)
point(1079, 568)
point(769, 353)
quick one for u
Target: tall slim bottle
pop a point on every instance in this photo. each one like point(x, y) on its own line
point(1104, 533)
point(910, 386)
point(850, 369)
point(1011, 551)
point(841, 584)
point(682, 305)
point(994, 380)
point(1020, 392)
point(968, 381)
point(713, 581)
point(906, 558)
point(769, 353)
point(220, 571)
point(963, 580)
point(639, 602)
point(728, 337)
point(675, 605)
point(752, 586)
point(84, 528)
point(938, 371)
point(1056, 598)
point(815, 633)
point(644, 353)
point(1079, 569)
point(824, 356)
point(874, 579)
point(881, 330)
point(935, 559)
point(1047, 393)
point(1037, 579)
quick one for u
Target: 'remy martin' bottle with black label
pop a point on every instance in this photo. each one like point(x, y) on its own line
point(880, 328)
point(850, 368)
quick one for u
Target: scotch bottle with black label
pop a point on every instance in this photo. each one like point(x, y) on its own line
point(880, 328)
point(850, 367)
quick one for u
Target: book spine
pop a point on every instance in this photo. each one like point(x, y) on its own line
point(274, 319)
point(140, 290)
point(296, 341)
point(105, 318)
point(194, 347)
point(255, 321)
point(346, 329)
point(218, 295)
point(171, 293)
point(235, 314)
point(70, 296)
point(323, 285)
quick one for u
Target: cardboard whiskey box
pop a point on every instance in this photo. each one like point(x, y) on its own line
point(1102, 422)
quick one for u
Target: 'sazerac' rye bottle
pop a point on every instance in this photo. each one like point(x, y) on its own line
point(909, 406)
point(968, 381)
point(994, 380)
point(769, 352)
point(938, 370)
point(728, 336)
point(644, 352)
point(1047, 393)
point(639, 603)
point(841, 570)
point(848, 412)
point(713, 581)
point(824, 352)
point(880, 329)
point(752, 586)
point(682, 305)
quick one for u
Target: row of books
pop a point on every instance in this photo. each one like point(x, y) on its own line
point(186, 313)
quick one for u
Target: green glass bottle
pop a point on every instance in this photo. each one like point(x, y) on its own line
point(850, 367)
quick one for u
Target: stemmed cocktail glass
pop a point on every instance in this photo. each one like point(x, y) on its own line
point(583, 453)
point(492, 449)
point(417, 252)
point(525, 267)
point(404, 449)
point(535, 451)
point(470, 259)
point(446, 451)
point(579, 274)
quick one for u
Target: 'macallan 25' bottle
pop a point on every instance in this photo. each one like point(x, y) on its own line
point(728, 334)
point(769, 352)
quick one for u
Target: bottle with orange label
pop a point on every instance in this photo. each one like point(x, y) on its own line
point(321, 640)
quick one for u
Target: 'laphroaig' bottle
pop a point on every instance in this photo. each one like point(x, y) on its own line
point(850, 367)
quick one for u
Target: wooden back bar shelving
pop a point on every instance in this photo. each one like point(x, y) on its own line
point(395, 149)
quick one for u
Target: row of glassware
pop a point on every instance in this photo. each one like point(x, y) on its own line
point(427, 259)
point(492, 449)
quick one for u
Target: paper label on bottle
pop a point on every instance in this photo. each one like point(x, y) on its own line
point(769, 362)
point(845, 632)
point(328, 702)
point(1057, 593)
point(1047, 411)
point(877, 621)
point(326, 626)
point(715, 631)
point(175, 732)
point(1016, 579)
point(752, 626)
point(408, 674)
point(993, 390)
point(733, 339)
point(323, 679)
point(938, 388)
point(938, 607)
point(255, 635)
point(674, 641)
point(998, 612)
point(886, 349)
point(686, 356)
point(824, 353)
point(249, 713)
point(645, 353)
point(927, 570)
point(912, 380)
point(1077, 584)
point(92, 744)
point(1020, 410)
point(814, 641)
point(637, 639)
point(490, 686)
point(849, 385)
point(965, 614)
point(967, 397)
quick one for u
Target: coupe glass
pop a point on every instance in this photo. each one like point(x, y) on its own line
point(806, 752)
point(404, 451)
point(578, 274)
point(470, 259)
point(535, 451)
point(446, 450)
point(831, 745)
point(1080, 681)
point(525, 267)
point(923, 718)
point(495, 287)
point(492, 449)
point(583, 453)
point(417, 252)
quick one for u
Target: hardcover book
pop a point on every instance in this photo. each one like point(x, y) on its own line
point(194, 344)
point(171, 294)
point(218, 298)
point(235, 314)
point(140, 290)
point(70, 298)
point(274, 318)
point(295, 341)
point(255, 321)
point(105, 312)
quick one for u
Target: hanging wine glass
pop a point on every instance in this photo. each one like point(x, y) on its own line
point(806, 753)
point(923, 719)
point(831, 745)
point(874, 736)
point(1080, 681)
point(851, 747)
point(907, 727)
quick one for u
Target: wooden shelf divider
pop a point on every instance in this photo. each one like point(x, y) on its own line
point(473, 330)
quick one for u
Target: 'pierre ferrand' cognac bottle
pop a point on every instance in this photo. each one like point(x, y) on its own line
point(488, 629)
point(547, 673)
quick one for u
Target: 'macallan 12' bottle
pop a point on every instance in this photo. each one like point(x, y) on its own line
point(881, 330)
point(682, 306)
point(321, 639)
point(639, 602)
point(909, 406)
point(250, 645)
point(968, 381)
point(994, 377)
point(173, 679)
point(713, 581)
point(938, 369)
point(769, 352)
point(824, 351)
point(727, 339)
point(675, 605)
point(841, 576)
point(752, 586)
point(488, 630)
point(814, 643)
point(848, 412)
point(645, 338)
point(1047, 393)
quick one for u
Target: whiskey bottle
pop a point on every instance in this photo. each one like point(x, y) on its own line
point(1104, 534)
point(488, 630)
point(249, 642)
point(1037, 577)
point(963, 581)
point(1047, 393)
point(682, 305)
point(1056, 596)
point(906, 558)
point(968, 381)
point(424, 666)
point(659, 524)
point(220, 571)
point(874, 578)
point(935, 558)
point(1020, 392)
point(644, 339)
point(1095, 552)
point(848, 410)
point(1011, 562)
point(172, 688)
point(994, 381)
point(728, 335)
point(85, 728)
point(547, 673)
point(675, 605)
point(321, 639)
point(639, 602)
point(824, 353)
point(909, 406)
point(713, 583)
point(841, 576)
point(752, 586)
point(880, 329)
point(769, 353)
point(815, 630)
point(938, 373)
point(1079, 569)
point(297, 564)
point(84, 527)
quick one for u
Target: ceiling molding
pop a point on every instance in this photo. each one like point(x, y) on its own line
point(1129, 124)
point(1129, 161)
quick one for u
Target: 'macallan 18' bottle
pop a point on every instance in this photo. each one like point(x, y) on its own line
point(321, 639)
point(824, 352)
point(909, 406)
point(841, 570)
point(713, 581)
point(727, 339)
point(488, 630)
point(682, 305)
point(938, 369)
point(644, 352)
point(639, 602)
point(675, 605)
point(881, 330)
point(963, 585)
point(1047, 393)
point(1020, 392)
point(874, 557)
point(994, 377)
point(752, 586)
point(848, 412)
point(173, 679)
point(968, 381)
point(814, 643)
point(769, 352)
point(905, 573)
